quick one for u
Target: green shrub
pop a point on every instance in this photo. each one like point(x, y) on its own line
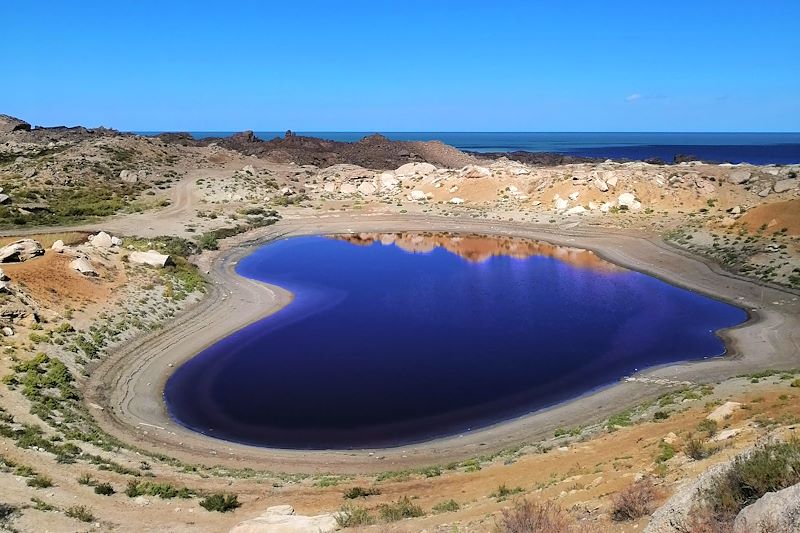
point(164, 491)
point(696, 449)
point(707, 426)
point(446, 506)
point(104, 489)
point(350, 516)
point(80, 512)
point(360, 492)
point(402, 508)
point(221, 503)
point(666, 452)
point(660, 415)
point(503, 492)
point(40, 482)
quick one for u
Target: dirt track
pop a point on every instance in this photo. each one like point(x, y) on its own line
point(129, 384)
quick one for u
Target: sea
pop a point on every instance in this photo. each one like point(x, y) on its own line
point(755, 148)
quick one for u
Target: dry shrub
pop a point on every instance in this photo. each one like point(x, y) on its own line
point(527, 516)
point(705, 521)
point(635, 501)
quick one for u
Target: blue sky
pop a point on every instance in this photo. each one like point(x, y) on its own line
point(409, 65)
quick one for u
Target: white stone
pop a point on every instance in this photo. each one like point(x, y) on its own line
point(605, 208)
point(249, 169)
point(785, 185)
point(628, 200)
point(411, 170)
point(418, 196)
point(739, 176)
point(101, 240)
point(456, 200)
point(367, 188)
point(58, 246)
point(3, 276)
point(347, 188)
point(574, 196)
point(82, 265)
point(151, 257)
point(561, 204)
point(577, 210)
point(601, 185)
point(329, 187)
point(736, 210)
point(723, 411)
point(116, 241)
point(388, 181)
point(612, 180)
point(8, 332)
point(20, 250)
point(474, 171)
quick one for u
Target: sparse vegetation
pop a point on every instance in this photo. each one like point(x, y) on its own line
point(360, 492)
point(446, 506)
point(221, 503)
point(80, 512)
point(400, 509)
point(637, 500)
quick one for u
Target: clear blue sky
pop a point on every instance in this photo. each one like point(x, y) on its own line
point(385, 65)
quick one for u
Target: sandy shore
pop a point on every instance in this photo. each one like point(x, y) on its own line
point(129, 384)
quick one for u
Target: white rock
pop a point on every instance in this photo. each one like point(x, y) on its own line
point(249, 169)
point(388, 181)
point(577, 210)
point(776, 512)
point(628, 200)
point(101, 240)
point(281, 519)
point(726, 434)
point(605, 208)
point(474, 171)
point(723, 411)
point(452, 189)
point(574, 196)
point(347, 188)
point(418, 196)
point(785, 185)
point(116, 241)
point(561, 204)
point(456, 200)
point(20, 250)
point(728, 222)
point(601, 185)
point(736, 210)
point(739, 176)
point(367, 188)
point(151, 257)
point(4, 198)
point(58, 246)
point(611, 180)
point(8, 332)
point(411, 170)
point(329, 187)
point(128, 176)
point(82, 265)
point(3, 276)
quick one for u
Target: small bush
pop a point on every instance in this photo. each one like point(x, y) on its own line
point(503, 492)
point(527, 516)
point(696, 449)
point(360, 492)
point(666, 452)
point(40, 482)
point(6, 510)
point(86, 479)
point(446, 506)
point(635, 501)
point(660, 415)
point(707, 426)
point(351, 516)
point(104, 489)
point(402, 508)
point(221, 503)
point(80, 512)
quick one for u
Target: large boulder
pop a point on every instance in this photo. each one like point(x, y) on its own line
point(388, 181)
point(101, 240)
point(151, 258)
point(474, 171)
point(128, 176)
point(9, 124)
point(775, 511)
point(412, 170)
point(20, 250)
point(739, 176)
point(366, 188)
point(785, 185)
point(418, 196)
point(282, 519)
point(628, 200)
point(83, 266)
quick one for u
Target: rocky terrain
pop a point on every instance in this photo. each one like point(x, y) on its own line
point(108, 237)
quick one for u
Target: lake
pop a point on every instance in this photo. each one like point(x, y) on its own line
point(399, 338)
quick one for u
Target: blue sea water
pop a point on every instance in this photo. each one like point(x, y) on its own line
point(382, 346)
point(755, 148)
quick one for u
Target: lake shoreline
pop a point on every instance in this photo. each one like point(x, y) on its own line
point(129, 385)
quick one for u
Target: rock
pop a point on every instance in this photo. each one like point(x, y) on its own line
point(628, 200)
point(367, 188)
point(456, 200)
point(736, 210)
point(141, 501)
point(20, 250)
point(605, 208)
point(577, 210)
point(411, 170)
point(249, 169)
point(58, 246)
point(785, 185)
point(670, 438)
point(726, 434)
point(3, 276)
point(612, 180)
point(774, 511)
point(5, 287)
point(418, 196)
point(4, 198)
point(116, 241)
point(561, 203)
point(474, 172)
point(739, 176)
point(673, 516)
point(151, 258)
point(388, 181)
point(763, 193)
point(128, 176)
point(329, 187)
point(101, 240)
point(728, 222)
point(8, 332)
point(723, 411)
point(9, 124)
point(601, 185)
point(574, 196)
point(83, 266)
point(347, 188)
point(282, 519)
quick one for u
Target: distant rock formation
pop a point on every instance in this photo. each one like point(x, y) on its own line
point(9, 124)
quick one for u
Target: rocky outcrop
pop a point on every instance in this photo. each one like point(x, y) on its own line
point(9, 124)
point(101, 240)
point(776, 512)
point(151, 257)
point(739, 176)
point(21, 250)
point(474, 171)
point(785, 185)
point(282, 519)
point(723, 411)
point(82, 265)
point(414, 170)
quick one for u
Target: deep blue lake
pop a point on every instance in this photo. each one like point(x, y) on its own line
point(394, 339)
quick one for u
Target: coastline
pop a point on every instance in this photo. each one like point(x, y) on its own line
point(129, 384)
